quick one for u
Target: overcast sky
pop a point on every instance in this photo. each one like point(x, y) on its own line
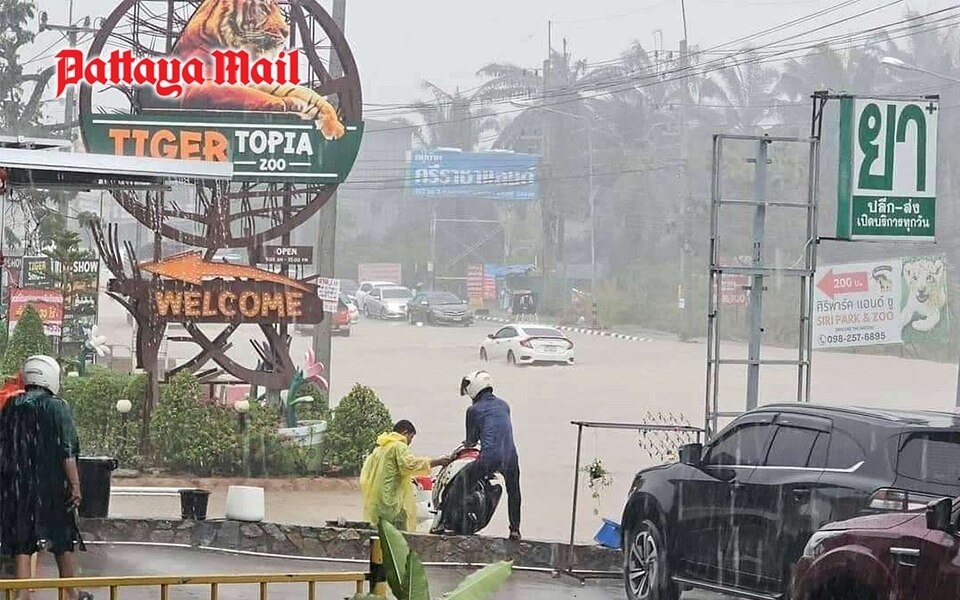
point(399, 44)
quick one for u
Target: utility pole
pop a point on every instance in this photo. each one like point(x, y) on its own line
point(69, 109)
point(755, 308)
point(327, 224)
point(683, 229)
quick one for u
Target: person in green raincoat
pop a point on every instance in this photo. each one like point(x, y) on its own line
point(386, 480)
point(39, 482)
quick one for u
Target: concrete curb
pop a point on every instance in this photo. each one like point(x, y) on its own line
point(345, 543)
point(583, 330)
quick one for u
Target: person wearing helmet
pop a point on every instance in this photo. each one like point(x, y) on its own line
point(39, 482)
point(488, 424)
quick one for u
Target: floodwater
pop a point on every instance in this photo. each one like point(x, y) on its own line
point(417, 370)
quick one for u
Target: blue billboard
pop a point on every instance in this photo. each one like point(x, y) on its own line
point(487, 175)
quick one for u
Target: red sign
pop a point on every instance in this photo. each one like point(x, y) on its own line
point(169, 76)
point(49, 303)
point(475, 283)
point(734, 290)
point(391, 272)
point(833, 284)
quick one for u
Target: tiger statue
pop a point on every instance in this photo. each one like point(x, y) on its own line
point(260, 28)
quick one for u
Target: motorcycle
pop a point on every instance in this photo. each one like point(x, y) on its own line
point(470, 514)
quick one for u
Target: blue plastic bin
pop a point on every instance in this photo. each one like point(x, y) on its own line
point(609, 535)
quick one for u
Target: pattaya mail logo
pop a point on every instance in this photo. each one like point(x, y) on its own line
point(230, 56)
point(171, 77)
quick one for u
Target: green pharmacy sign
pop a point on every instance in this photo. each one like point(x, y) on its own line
point(888, 169)
point(263, 146)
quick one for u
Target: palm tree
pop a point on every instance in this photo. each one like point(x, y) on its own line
point(452, 120)
point(745, 87)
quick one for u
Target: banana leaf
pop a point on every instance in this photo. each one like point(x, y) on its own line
point(395, 555)
point(483, 583)
point(417, 587)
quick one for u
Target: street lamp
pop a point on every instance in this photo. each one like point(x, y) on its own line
point(124, 407)
point(243, 407)
point(590, 188)
point(895, 63)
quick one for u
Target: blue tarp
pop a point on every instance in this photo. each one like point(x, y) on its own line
point(491, 270)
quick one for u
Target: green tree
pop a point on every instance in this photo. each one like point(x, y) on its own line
point(452, 120)
point(4, 336)
point(27, 340)
point(357, 421)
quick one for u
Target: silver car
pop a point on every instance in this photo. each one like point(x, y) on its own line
point(387, 303)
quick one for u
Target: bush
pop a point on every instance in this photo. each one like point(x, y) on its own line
point(101, 429)
point(27, 339)
point(357, 421)
point(190, 435)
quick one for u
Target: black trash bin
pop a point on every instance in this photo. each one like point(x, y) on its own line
point(95, 472)
point(193, 504)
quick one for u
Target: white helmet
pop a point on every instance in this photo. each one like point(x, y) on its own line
point(42, 371)
point(474, 383)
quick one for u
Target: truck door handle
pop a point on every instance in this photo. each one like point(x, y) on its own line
point(908, 557)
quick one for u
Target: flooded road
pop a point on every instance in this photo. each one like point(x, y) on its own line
point(416, 371)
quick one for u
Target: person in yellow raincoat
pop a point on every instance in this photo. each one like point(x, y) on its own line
point(386, 480)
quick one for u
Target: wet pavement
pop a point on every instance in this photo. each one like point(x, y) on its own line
point(116, 560)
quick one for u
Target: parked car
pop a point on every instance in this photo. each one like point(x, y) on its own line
point(438, 308)
point(340, 323)
point(351, 306)
point(733, 516)
point(528, 344)
point(364, 290)
point(894, 556)
point(387, 302)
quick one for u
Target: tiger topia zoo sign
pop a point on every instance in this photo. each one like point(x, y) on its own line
point(192, 289)
point(218, 96)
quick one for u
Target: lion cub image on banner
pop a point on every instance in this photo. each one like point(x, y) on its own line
point(261, 29)
point(924, 315)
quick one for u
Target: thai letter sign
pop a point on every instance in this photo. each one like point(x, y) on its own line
point(888, 169)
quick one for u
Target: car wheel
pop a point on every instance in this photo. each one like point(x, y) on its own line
point(645, 572)
point(511, 359)
point(346, 333)
point(483, 354)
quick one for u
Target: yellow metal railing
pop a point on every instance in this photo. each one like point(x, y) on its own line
point(375, 577)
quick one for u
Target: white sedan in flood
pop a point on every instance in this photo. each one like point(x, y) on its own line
point(528, 344)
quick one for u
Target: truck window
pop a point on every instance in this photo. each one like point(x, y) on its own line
point(844, 451)
point(931, 457)
point(791, 447)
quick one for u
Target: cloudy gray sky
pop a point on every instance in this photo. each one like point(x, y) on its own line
point(399, 44)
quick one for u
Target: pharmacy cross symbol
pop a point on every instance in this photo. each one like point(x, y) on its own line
point(931, 108)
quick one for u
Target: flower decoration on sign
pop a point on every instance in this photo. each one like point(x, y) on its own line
point(96, 342)
point(313, 370)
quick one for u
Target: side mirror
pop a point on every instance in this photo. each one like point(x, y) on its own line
point(691, 454)
point(490, 336)
point(938, 515)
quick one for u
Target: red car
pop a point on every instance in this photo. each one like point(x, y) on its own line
point(341, 321)
point(891, 556)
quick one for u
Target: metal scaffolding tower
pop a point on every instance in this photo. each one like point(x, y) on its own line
point(757, 272)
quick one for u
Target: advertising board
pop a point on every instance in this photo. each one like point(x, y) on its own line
point(49, 303)
point(487, 175)
point(215, 96)
point(903, 300)
point(888, 169)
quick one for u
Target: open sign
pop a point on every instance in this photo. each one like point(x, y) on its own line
point(288, 255)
